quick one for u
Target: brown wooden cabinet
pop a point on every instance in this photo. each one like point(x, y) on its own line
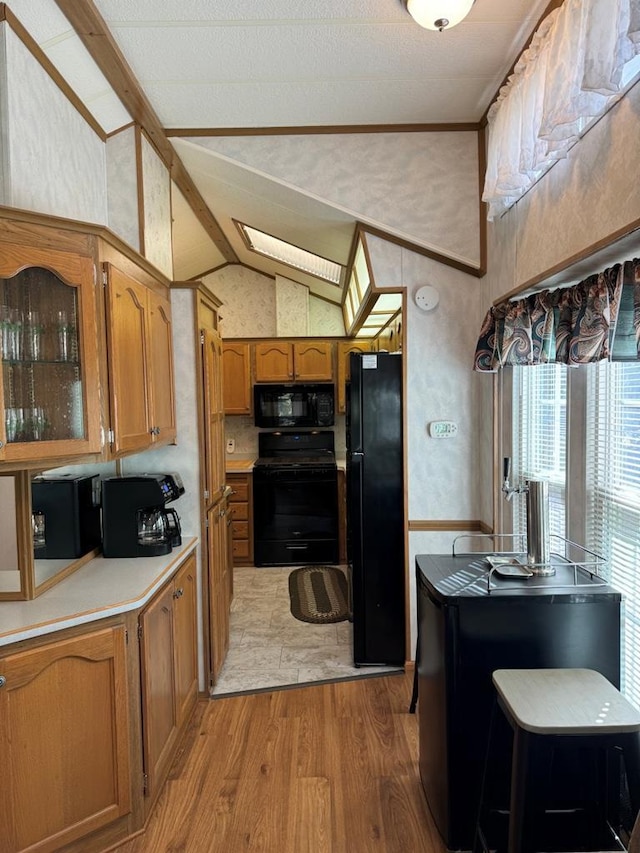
point(185, 615)
point(213, 416)
point(345, 348)
point(49, 381)
point(219, 586)
point(168, 649)
point(236, 371)
point(240, 508)
point(313, 361)
point(64, 739)
point(140, 364)
point(274, 361)
point(162, 401)
point(286, 361)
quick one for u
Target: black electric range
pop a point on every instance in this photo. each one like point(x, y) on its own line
point(295, 499)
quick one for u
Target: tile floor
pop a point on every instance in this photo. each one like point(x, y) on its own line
point(269, 648)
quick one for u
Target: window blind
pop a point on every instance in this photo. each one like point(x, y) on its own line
point(613, 510)
point(541, 428)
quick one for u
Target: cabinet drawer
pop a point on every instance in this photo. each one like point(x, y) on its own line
point(240, 529)
point(240, 511)
point(241, 548)
point(240, 492)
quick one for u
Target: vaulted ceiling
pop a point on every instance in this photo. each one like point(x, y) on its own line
point(232, 68)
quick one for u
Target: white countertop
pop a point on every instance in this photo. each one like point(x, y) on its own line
point(101, 588)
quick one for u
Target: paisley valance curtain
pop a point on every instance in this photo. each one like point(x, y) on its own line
point(581, 59)
point(596, 319)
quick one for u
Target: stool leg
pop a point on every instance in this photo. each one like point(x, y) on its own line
point(631, 755)
point(530, 764)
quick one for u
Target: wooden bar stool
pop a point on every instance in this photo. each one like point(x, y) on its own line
point(550, 710)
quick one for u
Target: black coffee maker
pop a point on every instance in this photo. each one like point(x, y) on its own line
point(65, 515)
point(135, 521)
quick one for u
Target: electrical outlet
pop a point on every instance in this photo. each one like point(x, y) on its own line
point(231, 445)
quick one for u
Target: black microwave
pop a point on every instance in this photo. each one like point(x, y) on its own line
point(276, 406)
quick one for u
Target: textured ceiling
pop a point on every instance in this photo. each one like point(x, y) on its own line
point(260, 63)
point(250, 64)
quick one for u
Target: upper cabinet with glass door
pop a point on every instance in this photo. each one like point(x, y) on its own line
point(48, 348)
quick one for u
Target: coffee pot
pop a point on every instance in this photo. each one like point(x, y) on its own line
point(135, 522)
point(152, 526)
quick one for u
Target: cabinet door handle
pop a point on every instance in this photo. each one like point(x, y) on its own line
point(1, 446)
point(3, 681)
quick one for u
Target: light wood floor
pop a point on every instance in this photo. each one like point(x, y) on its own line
point(330, 768)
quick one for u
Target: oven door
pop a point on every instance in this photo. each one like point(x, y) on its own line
point(295, 516)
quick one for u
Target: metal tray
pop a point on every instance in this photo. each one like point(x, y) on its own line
point(508, 567)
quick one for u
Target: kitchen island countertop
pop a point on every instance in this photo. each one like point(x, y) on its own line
point(101, 588)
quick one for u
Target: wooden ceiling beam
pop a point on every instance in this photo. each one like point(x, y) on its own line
point(96, 37)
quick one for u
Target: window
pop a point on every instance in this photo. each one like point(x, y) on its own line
point(540, 430)
point(292, 256)
point(613, 511)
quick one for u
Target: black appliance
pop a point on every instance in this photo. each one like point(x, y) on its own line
point(65, 515)
point(375, 508)
point(295, 499)
point(135, 522)
point(277, 406)
point(464, 634)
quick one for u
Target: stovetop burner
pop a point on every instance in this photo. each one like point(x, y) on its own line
point(324, 461)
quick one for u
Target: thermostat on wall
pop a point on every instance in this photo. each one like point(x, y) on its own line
point(426, 297)
point(443, 429)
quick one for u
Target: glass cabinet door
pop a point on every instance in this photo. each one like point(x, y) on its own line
point(48, 358)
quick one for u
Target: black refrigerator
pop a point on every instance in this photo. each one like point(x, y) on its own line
point(375, 508)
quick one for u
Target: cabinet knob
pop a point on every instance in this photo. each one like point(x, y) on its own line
point(1, 446)
point(3, 681)
point(178, 593)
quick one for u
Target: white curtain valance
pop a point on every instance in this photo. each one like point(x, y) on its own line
point(579, 62)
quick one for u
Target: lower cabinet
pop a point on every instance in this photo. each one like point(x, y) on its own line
point(74, 707)
point(240, 507)
point(64, 740)
point(219, 586)
point(169, 673)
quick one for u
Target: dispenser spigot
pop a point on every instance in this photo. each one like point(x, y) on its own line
point(509, 490)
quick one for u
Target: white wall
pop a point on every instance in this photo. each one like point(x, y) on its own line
point(56, 163)
point(292, 308)
point(248, 299)
point(325, 318)
point(122, 186)
point(420, 186)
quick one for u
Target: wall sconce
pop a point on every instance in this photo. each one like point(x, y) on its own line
point(439, 14)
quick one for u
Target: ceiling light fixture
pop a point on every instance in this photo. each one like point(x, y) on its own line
point(439, 14)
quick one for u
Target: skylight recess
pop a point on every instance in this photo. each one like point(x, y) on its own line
point(279, 250)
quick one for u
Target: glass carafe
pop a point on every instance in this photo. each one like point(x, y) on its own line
point(152, 527)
